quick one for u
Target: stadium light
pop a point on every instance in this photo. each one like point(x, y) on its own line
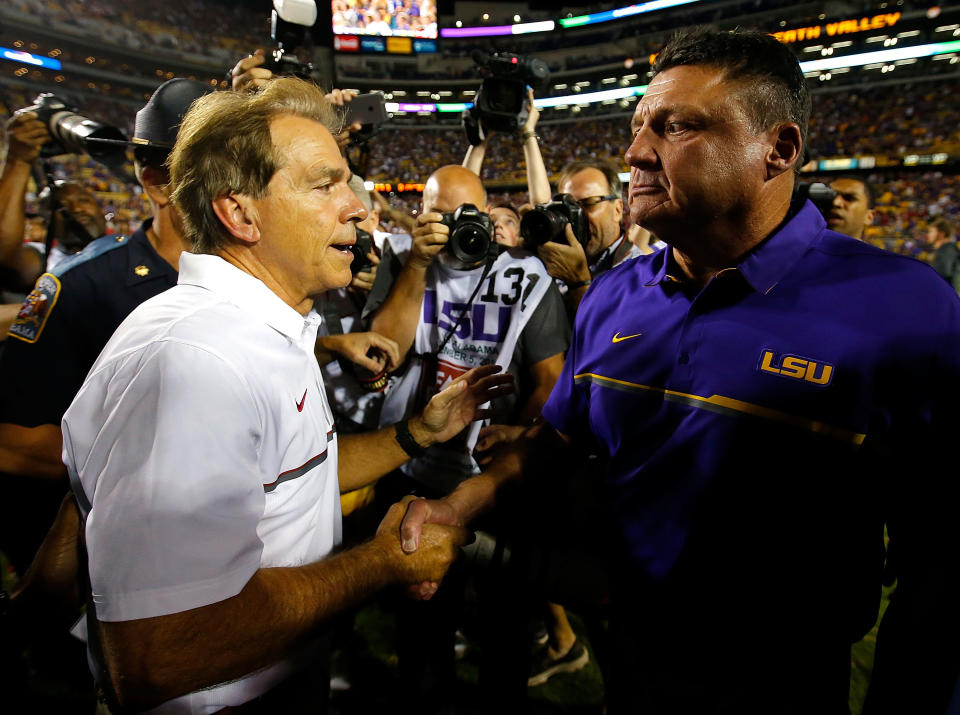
point(883, 56)
point(590, 97)
point(522, 28)
point(26, 58)
point(880, 59)
point(549, 25)
point(621, 12)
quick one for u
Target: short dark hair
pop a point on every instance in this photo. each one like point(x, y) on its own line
point(867, 189)
point(503, 205)
point(60, 186)
point(777, 90)
point(610, 172)
point(943, 226)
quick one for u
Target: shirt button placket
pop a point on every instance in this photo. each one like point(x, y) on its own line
point(685, 348)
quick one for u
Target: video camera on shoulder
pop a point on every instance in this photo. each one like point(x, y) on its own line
point(290, 23)
point(471, 233)
point(548, 222)
point(361, 250)
point(72, 133)
point(501, 101)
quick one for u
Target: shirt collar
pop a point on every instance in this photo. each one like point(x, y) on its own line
point(606, 255)
point(768, 262)
point(143, 262)
point(249, 294)
point(665, 268)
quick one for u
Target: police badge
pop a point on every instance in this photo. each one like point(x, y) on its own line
point(29, 322)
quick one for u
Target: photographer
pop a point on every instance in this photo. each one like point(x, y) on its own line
point(505, 218)
point(596, 187)
point(448, 315)
point(76, 222)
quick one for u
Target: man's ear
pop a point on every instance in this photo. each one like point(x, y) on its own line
point(154, 181)
point(786, 149)
point(239, 216)
point(869, 216)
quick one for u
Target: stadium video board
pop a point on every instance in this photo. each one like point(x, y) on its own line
point(385, 18)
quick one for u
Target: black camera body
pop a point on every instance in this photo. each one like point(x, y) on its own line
point(290, 24)
point(471, 233)
point(70, 132)
point(547, 222)
point(501, 101)
point(360, 250)
point(282, 63)
point(820, 194)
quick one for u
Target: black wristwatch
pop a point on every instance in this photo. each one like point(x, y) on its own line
point(406, 441)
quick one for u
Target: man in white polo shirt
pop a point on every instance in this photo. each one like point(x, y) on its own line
point(202, 449)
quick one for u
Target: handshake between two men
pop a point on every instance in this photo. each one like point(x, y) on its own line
point(424, 542)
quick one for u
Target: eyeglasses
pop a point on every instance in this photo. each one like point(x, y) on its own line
point(591, 201)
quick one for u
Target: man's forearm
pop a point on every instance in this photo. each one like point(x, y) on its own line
point(538, 182)
point(543, 376)
point(477, 495)
point(155, 659)
point(8, 313)
point(397, 319)
point(574, 297)
point(32, 451)
point(535, 402)
point(13, 187)
point(366, 457)
point(474, 157)
point(400, 218)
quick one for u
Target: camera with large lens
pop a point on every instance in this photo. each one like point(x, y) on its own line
point(72, 133)
point(548, 222)
point(471, 233)
point(360, 250)
point(501, 101)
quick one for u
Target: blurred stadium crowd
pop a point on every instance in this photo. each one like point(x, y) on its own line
point(917, 118)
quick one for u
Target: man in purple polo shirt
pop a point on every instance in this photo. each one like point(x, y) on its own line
point(766, 394)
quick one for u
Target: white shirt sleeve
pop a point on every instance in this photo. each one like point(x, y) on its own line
point(166, 443)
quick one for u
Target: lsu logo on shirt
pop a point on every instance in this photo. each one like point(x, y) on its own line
point(796, 368)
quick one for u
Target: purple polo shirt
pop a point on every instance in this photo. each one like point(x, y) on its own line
point(759, 430)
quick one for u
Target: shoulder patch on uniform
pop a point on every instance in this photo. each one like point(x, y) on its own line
point(92, 250)
point(33, 315)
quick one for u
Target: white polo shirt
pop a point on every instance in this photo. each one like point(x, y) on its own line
point(203, 447)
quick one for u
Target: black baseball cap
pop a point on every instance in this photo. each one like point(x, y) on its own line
point(157, 123)
point(155, 131)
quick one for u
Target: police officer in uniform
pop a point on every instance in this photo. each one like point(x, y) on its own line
point(55, 339)
point(69, 316)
